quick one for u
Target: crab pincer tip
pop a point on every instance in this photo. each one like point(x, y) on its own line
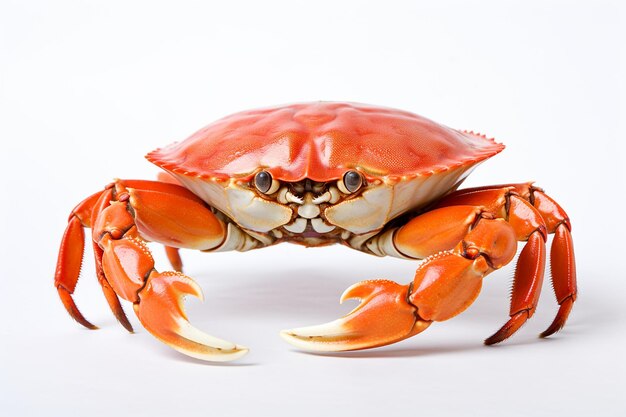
point(382, 317)
point(327, 337)
point(160, 311)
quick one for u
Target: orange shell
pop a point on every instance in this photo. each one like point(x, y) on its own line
point(321, 141)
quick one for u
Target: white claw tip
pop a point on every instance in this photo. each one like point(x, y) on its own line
point(216, 354)
point(328, 337)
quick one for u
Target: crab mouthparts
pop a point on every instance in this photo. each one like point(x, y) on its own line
point(309, 227)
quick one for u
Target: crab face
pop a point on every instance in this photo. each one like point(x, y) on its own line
point(325, 210)
point(319, 170)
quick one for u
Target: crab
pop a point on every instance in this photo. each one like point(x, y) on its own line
point(378, 180)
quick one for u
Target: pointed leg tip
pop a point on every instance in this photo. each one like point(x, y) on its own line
point(83, 321)
point(514, 323)
point(492, 340)
point(72, 309)
point(87, 324)
point(114, 303)
point(500, 336)
point(127, 326)
point(561, 318)
point(554, 327)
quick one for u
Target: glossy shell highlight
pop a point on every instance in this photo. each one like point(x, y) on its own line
point(321, 141)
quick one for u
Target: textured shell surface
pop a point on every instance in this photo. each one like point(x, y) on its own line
point(321, 141)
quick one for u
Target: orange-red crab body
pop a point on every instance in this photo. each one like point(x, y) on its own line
point(378, 180)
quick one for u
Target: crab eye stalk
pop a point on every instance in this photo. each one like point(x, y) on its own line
point(264, 182)
point(350, 183)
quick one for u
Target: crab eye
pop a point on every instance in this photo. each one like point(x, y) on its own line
point(264, 182)
point(350, 182)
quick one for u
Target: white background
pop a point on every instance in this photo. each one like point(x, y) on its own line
point(87, 88)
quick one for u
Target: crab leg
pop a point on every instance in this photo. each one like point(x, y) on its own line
point(71, 255)
point(171, 252)
point(112, 299)
point(174, 257)
point(470, 243)
point(122, 218)
point(70, 259)
point(68, 268)
point(109, 293)
point(562, 262)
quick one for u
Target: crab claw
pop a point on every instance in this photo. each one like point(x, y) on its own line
point(160, 311)
point(383, 317)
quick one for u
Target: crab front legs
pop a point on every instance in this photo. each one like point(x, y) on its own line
point(466, 236)
point(521, 204)
point(461, 245)
point(122, 218)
